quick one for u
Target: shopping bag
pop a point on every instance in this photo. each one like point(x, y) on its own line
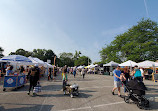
point(37, 88)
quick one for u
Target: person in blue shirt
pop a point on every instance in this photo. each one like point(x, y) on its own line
point(9, 71)
point(117, 82)
point(137, 73)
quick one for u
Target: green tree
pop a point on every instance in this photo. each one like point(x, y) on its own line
point(83, 60)
point(139, 43)
point(49, 55)
point(66, 59)
point(21, 52)
point(39, 53)
point(77, 55)
point(1, 52)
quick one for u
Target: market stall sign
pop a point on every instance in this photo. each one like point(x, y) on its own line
point(155, 77)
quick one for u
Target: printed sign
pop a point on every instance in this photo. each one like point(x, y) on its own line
point(9, 81)
point(156, 77)
point(21, 80)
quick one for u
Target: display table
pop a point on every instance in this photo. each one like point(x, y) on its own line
point(14, 81)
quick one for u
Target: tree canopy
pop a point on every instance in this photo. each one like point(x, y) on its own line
point(1, 52)
point(139, 43)
point(64, 58)
point(42, 54)
point(83, 60)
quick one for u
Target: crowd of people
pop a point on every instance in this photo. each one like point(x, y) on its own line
point(120, 76)
point(123, 76)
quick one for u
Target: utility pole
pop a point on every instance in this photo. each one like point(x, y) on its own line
point(88, 61)
point(54, 65)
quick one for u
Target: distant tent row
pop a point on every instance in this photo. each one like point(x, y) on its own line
point(145, 64)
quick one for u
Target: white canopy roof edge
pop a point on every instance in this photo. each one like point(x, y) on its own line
point(147, 64)
point(37, 61)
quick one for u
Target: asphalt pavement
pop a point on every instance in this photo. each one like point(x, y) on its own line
point(94, 95)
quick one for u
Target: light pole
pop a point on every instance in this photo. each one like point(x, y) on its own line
point(88, 60)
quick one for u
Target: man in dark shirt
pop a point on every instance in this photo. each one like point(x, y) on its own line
point(33, 75)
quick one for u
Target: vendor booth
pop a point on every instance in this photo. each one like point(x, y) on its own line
point(108, 68)
point(150, 66)
point(16, 80)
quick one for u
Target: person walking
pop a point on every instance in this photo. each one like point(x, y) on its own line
point(64, 79)
point(50, 74)
point(117, 82)
point(34, 74)
point(83, 72)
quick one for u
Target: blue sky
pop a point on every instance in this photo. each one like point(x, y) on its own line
point(69, 25)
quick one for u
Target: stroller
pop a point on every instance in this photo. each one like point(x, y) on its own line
point(72, 90)
point(136, 90)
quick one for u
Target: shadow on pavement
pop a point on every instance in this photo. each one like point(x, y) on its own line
point(153, 99)
point(52, 87)
point(86, 91)
point(83, 95)
point(152, 89)
point(51, 95)
point(29, 107)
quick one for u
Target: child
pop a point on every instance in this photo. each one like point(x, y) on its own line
point(122, 77)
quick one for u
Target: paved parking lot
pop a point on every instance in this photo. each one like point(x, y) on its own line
point(95, 95)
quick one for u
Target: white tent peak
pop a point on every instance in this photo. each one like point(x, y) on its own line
point(112, 63)
point(128, 63)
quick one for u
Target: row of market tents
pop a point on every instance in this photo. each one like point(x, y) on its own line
point(144, 64)
point(22, 60)
point(129, 63)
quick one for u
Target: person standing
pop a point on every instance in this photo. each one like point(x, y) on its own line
point(33, 75)
point(74, 71)
point(117, 82)
point(142, 73)
point(83, 72)
point(9, 71)
point(137, 73)
point(50, 74)
point(22, 69)
point(127, 75)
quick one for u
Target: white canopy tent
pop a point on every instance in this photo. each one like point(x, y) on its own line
point(128, 63)
point(93, 66)
point(37, 61)
point(48, 65)
point(112, 63)
point(147, 64)
point(80, 67)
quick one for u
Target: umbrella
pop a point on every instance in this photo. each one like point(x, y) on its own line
point(15, 58)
